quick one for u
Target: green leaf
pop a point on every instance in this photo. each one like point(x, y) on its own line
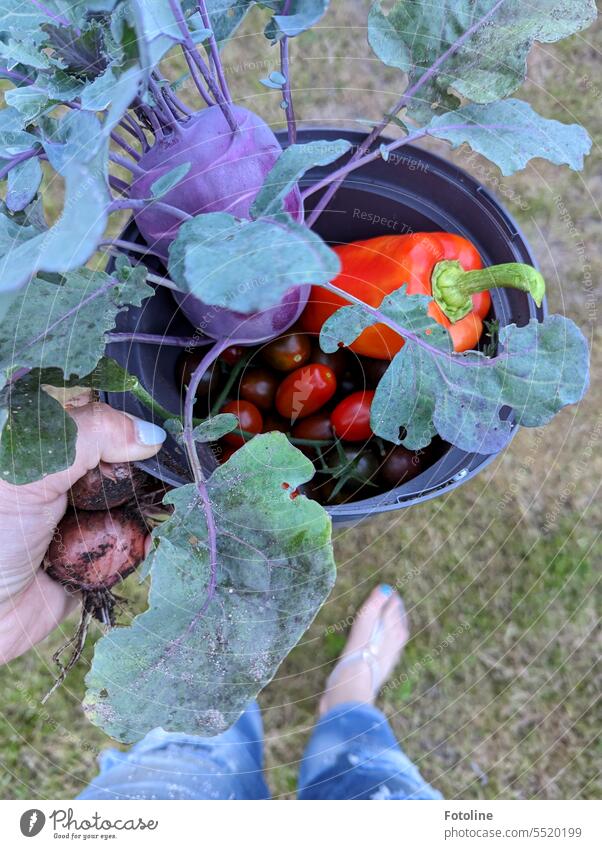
point(23, 183)
point(100, 92)
point(63, 326)
point(214, 428)
point(191, 669)
point(171, 178)
point(301, 16)
point(157, 30)
point(30, 101)
point(428, 389)
point(226, 16)
point(542, 368)
point(247, 265)
point(107, 376)
point(13, 138)
point(409, 311)
point(38, 437)
point(510, 133)
point(72, 240)
point(490, 65)
point(290, 166)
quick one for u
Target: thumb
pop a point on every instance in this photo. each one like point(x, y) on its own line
point(105, 434)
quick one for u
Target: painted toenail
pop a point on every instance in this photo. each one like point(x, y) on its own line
point(386, 589)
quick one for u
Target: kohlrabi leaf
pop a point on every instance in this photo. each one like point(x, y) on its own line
point(290, 166)
point(30, 101)
point(73, 238)
point(195, 658)
point(541, 368)
point(37, 436)
point(171, 178)
point(226, 16)
point(408, 311)
point(107, 376)
point(247, 265)
point(23, 183)
point(157, 30)
point(63, 326)
point(100, 92)
point(301, 15)
point(214, 428)
point(428, 389)
point(510, 133)
point(489, 65)
point(13, 138)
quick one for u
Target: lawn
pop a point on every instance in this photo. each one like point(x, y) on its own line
point(496, 694)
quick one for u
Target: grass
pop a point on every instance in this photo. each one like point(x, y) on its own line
point(496, 694)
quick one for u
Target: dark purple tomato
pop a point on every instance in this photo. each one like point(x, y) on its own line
point(338, 361)
point(258, 385)
point(360, 474)
point(273, 422)
point(400, 465)
point(233, 354)
point(287, 352)
point(314, 427)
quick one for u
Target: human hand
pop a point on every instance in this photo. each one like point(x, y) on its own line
point(31, 603)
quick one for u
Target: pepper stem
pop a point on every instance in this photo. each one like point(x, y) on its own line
point(452, 287)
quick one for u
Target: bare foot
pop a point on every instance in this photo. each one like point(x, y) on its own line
point(376, 640)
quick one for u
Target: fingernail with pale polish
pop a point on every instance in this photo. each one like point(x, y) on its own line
point(148, 433)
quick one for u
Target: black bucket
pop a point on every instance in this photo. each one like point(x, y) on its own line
point(414, 191)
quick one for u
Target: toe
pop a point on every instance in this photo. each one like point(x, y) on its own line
point(366, 617)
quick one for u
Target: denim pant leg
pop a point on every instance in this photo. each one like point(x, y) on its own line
point(182, 766)
point(353, 754)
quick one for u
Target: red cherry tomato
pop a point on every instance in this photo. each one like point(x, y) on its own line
point(305, 390)
point(350, 418)
point(249, 419)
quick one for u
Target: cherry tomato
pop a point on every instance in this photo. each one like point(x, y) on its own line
point(258, 385)
point(314, 427)
point(399, 466)
point(359, 472)
point(232, 354)
point(272, 422)
point(305, 390)
point(351, 417)
point(287, 352)
point(249, 419)
point(338, 361)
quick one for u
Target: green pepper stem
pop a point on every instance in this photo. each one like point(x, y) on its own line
point(453, 288)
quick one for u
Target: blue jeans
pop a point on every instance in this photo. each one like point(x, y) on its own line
point(352, 754)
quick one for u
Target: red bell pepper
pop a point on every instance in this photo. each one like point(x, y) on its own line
point(442, 265)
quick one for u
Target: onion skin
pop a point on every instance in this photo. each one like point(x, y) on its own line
point(95, 550)
point(106, 486)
